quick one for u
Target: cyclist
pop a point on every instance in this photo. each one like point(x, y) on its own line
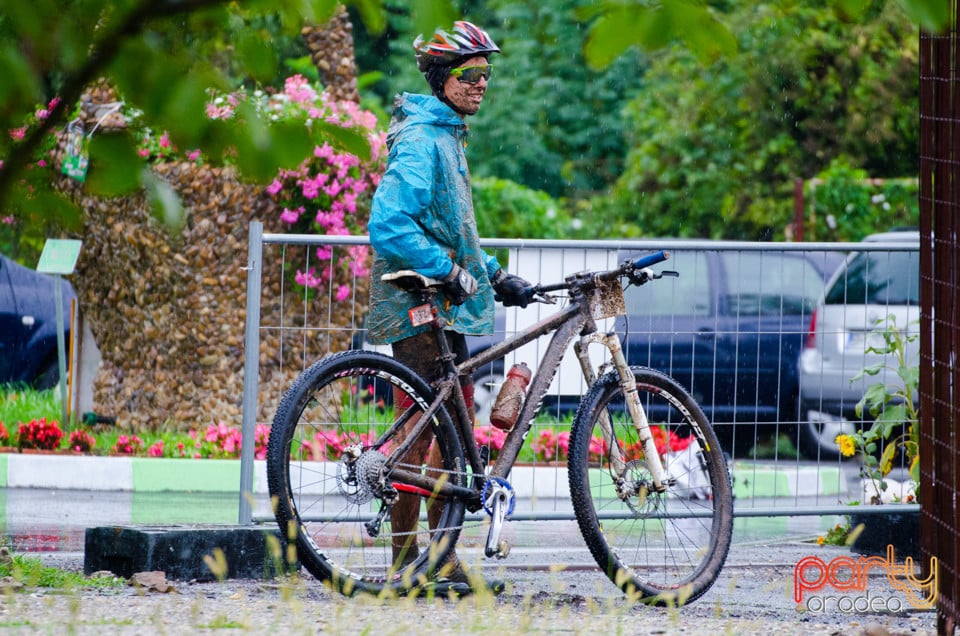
point(422, 219)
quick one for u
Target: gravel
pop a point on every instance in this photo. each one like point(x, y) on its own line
point(752, 596)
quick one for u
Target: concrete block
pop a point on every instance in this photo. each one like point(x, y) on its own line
point(179, 550)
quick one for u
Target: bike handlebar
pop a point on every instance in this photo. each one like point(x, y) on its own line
point(625, 269)
point(651, 259)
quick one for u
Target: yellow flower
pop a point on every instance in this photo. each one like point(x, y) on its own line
point(847, 447)
point(821, 540)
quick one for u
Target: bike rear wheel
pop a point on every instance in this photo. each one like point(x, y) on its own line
point(664, 548)
point(327, 447)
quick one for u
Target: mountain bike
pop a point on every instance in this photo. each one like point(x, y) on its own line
point(649, 483)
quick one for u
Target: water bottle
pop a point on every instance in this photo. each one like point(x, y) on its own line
point(506, 408)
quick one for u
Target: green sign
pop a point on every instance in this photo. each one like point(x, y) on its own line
point(59, 256)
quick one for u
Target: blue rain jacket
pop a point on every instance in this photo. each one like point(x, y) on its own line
point(422, 219)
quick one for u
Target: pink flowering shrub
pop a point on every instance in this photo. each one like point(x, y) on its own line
point(21, 229)
point(39, 434)
point(261, 437)
point(597, 450)
point(491, 437)
point(158, 148)
point(550, 446)
point(81, 441)
point(329, 445)
point(216, 441)
point(127, 445)
point(225, 441)
point(329, 193)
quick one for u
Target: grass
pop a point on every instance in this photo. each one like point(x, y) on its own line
point(32, 573)
point(775, 447)
point(22, 404)
point(19, 403)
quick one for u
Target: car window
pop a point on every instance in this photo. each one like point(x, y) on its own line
point(878, 278)
point(770, 284)
point(686, 295)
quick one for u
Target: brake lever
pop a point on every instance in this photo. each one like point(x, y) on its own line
point(534, 295)
point(645, 275)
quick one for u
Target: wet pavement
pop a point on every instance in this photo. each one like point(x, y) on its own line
point(548, 558)
point(41, 520)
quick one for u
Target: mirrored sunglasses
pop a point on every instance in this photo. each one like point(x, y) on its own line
point(472, 74)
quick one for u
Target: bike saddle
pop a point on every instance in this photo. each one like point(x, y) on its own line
point(410, 281)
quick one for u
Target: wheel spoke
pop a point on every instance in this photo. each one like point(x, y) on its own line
point(325, 473)
point(650, 542)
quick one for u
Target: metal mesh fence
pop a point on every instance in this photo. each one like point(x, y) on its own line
point(744, 327)
point(940, 324)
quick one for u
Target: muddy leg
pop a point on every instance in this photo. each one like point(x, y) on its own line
point(405, 513)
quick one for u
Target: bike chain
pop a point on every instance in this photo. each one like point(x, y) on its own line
point(487, 479)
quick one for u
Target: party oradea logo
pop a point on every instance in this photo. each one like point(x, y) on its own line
point(843, 584)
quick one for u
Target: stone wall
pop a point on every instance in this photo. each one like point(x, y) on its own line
point(168, 310)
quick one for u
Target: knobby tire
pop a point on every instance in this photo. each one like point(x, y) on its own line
point(659, 548)
point(322, 501)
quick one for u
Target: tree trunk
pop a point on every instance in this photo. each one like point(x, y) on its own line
point(331, 49)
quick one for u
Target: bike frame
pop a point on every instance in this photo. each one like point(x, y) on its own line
point(566, 325)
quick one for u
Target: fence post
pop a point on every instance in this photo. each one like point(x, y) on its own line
point(799, 210)
point(251, 369)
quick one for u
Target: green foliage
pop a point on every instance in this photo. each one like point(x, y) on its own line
point(652, 26)
point(22, 404)
point(163, 56)
point(548, 121)
point(31, 572)
point(893, 405)
point(506, 209)
point(847, 205)
point(837, 535)
point(716, 149)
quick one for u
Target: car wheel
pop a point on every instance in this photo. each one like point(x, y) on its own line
point(48, 377)
point(485, 388)
point(817, 436)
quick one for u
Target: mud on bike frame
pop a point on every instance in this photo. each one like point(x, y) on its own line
point(593, 295)
point(652, 501)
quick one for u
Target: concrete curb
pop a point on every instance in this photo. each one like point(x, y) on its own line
point(149, 474)
point(797, 480)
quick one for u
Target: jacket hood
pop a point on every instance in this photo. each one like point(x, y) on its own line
point(413, 109)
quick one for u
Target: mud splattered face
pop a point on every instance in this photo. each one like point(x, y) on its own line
point(465, 87)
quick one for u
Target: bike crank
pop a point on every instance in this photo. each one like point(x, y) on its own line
point(498, 500)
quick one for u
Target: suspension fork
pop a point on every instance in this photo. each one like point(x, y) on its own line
point(632, 397)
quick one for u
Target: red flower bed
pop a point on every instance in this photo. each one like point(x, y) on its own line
point(39, 434)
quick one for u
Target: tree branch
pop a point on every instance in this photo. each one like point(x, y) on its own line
point(102, 53)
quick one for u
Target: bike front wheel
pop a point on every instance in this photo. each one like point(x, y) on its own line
point(331, 436)
point(659, 547)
